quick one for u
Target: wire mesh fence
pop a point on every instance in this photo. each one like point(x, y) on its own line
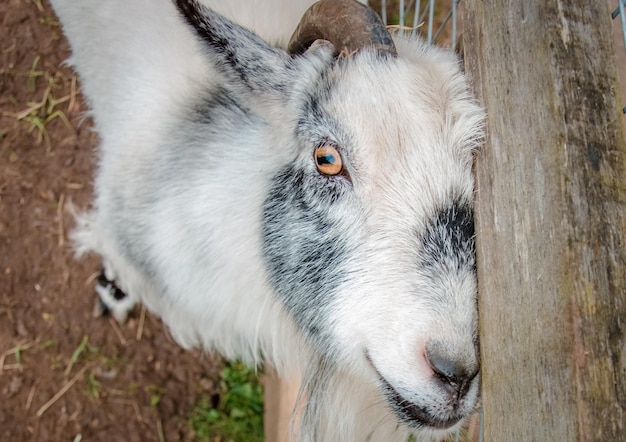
point(435, 20)
point(437, 17)
point(619, 12)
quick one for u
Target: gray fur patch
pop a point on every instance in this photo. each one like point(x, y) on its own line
point(189, 149)
point(449, 239)
point(237, 50)
point(305, 249)
point(314, 123)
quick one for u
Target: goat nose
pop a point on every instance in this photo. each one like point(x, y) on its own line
point(455, 374)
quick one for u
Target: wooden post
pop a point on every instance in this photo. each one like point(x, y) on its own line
point(280, 399)
point(551, 220)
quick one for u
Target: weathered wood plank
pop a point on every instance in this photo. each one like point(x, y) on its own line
point(551, 220)
point(280, 400)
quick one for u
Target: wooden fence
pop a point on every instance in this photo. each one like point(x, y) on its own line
point(551, 220)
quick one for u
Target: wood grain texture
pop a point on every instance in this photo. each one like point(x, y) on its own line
point(551, 220)
point(280, 400)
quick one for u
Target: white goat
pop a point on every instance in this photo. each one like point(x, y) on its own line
point(310, 209)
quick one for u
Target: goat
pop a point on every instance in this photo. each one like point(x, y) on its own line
point(305, 204)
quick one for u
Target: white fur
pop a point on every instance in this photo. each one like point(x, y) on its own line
point(139, 65)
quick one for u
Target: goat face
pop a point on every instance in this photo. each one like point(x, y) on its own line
point(376, 263)
point(367, 227)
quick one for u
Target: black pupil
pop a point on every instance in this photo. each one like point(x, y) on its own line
point(325, 159)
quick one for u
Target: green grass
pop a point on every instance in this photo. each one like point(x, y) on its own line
point(155, 394)
point(39, 113)
point(84, 349)
point(94, 387)
point(238, 417)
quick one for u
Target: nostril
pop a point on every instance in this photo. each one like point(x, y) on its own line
point(454, 374)
point(446, 372)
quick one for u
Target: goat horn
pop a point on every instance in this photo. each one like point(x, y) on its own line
point(347, 24)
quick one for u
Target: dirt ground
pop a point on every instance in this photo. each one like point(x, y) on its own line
point(64, 375)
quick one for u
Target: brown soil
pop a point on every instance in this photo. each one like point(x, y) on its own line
point(129, 382)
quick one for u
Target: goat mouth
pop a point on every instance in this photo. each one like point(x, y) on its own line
point(409, 412)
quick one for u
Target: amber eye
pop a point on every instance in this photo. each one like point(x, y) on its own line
point(328, 160)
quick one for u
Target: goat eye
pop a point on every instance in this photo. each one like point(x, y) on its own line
point(328, 160)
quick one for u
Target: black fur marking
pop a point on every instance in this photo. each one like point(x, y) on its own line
point(305, 249)
point(102, 279)
point(450, 239)
point(312, 116)
point(118, 295)
point(113, 290)
point(104, 309)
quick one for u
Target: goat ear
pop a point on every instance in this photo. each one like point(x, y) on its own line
point(239, 52)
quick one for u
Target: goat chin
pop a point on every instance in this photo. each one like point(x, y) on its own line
point(210, 209)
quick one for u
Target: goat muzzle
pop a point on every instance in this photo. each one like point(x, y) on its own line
point(347, 24)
